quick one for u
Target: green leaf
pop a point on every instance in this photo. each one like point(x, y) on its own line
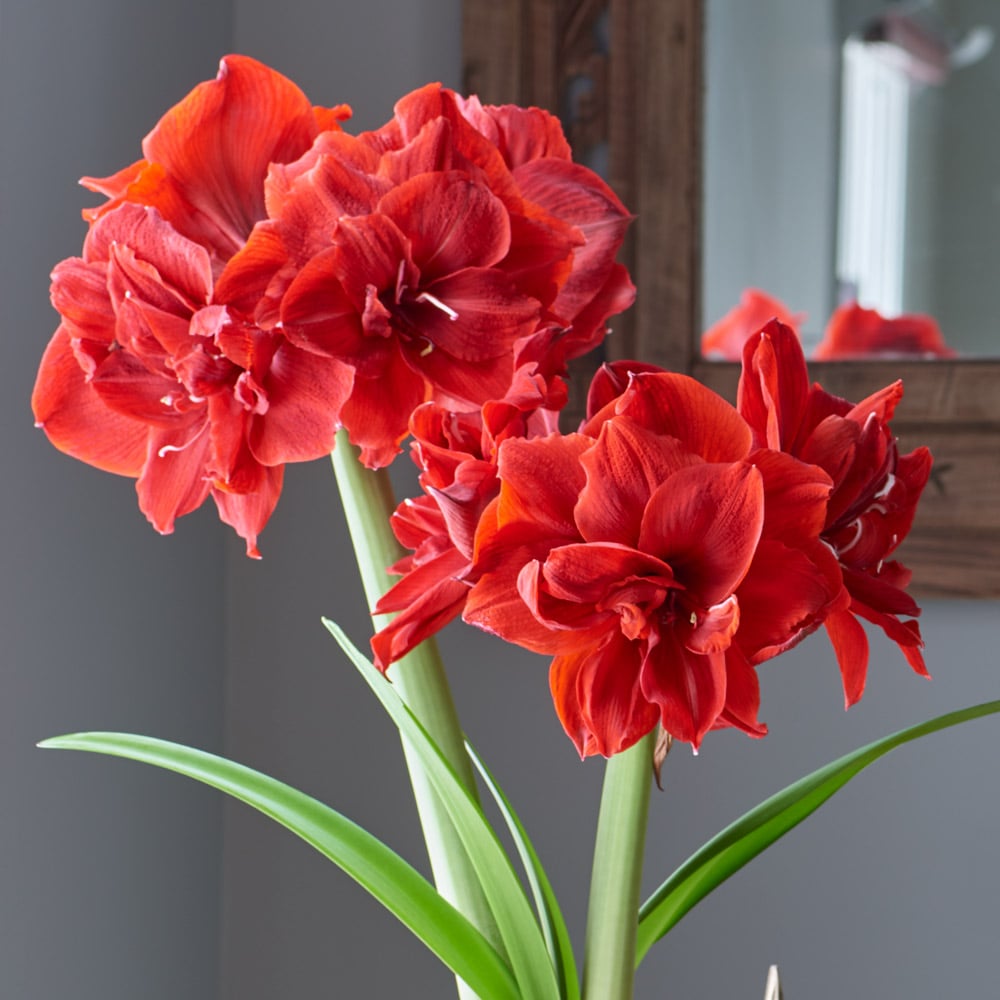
point(755, 831)
point(515, 920)
point(557, 938)
point(391, 880)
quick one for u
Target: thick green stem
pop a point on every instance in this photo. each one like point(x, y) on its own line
point(613, 911)
point(368, 501)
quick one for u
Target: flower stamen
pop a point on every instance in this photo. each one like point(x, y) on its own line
point(438, 304)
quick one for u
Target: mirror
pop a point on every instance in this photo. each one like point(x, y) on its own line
point(849, 159)
point(643, 95)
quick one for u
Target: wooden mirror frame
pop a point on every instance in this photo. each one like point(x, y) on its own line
point(641, 103)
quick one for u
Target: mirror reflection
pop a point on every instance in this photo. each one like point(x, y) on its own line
point(852, 175)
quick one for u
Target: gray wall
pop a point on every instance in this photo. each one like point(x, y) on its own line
point(110, 875)
point(119, 882)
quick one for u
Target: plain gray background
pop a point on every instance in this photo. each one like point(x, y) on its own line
point(119, 882)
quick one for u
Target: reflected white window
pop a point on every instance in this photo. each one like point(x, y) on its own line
point(872, 212)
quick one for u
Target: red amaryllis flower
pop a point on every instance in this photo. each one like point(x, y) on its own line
point(152, 374)
point(874, 496)
point(435, 259)
point(725, 339)
point(622, 551)
point(457, 455)
point(149, 378)
point(855, 332)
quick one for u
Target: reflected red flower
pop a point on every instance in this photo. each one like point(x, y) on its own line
point(854, 332)
point(724, 340)
point(627, 551)
point(435, 259)
point(874, 496)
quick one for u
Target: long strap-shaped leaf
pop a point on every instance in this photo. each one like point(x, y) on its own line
point(554, 928)
point(391, 880)
point(515, 919)
point(743, 840)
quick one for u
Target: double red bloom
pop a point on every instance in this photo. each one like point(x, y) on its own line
point(874, 496)
point(629, 550)
point(435, 256)
point(260, 278)
point(151, 373)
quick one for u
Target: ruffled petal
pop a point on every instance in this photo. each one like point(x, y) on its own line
point(540, 482)
point(427, 598)
point(378, 410)
point(451, 222)
point(677, 406)
point(217, 143)
point(249, 512)
point(174, 480)
point(624, 469)
point(78, 421)
point(305, 395)
point(689, 688)
point(774, 386)
point(705, 522)
point(742, 696)
point(495, 605)
point(599, 699)
point(786, 595)
point(851, 647)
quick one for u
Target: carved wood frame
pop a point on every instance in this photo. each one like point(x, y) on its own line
point(642, 99)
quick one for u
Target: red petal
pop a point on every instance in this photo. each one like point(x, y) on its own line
point(451, 222)
point(679, 407)
point(690, 689)
point(174, 480)
point(428, 598)
point(151, 260)
point(611, 380)
point(851, 646)
point(78, 421)
point(774, 386)
point(599, 699)
point(521, 134)
point(742, 696)
point(305, 393)
point(248, 274)
point(795, 498)
point(249, 512)
point(541, 480)
point(79, 293)
point(624, 469)
point(705, 522)
point(217, 143)
point(785, 596)
point(574, 194)
point(378, 411)
point(495, 605)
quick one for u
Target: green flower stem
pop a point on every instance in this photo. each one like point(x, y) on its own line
point(613, 910)
point(368, 501)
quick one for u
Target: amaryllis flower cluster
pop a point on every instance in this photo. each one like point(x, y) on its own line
point(851, 332)
point(260, 278)
point(671, 545)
